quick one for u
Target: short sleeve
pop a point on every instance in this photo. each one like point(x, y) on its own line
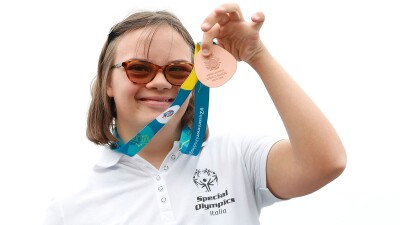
point(255, 151)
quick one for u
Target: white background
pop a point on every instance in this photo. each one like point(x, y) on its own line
point(344, 53)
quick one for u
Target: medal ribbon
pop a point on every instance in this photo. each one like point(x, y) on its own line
point(190, 143)
point(191, 140)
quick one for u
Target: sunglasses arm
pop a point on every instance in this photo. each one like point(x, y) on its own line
point(117, 65)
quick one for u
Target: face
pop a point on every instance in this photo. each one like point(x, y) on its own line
point(139, 104)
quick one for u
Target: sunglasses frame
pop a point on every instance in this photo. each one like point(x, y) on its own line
point(156, 69)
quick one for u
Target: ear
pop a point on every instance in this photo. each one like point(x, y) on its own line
point(109, 89)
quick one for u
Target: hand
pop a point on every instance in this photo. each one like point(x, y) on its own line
point(233, 33)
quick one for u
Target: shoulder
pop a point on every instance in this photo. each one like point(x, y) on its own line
point(240, 142)
point(78, 194)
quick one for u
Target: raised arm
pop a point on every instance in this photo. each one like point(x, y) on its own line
point(314, 155)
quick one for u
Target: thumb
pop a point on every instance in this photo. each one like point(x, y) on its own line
point(258, 20)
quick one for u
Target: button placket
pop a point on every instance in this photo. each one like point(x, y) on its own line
point(162, 194)
point(161, 188)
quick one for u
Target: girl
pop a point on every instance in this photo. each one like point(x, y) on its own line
point(233, 177)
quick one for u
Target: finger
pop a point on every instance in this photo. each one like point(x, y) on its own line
point(210, 22)
point(223, 19)
point(258, 20)
point(222, 15)
point(208, 38)
point(232, 10)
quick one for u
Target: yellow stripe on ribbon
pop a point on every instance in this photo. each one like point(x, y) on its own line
point(191, 81)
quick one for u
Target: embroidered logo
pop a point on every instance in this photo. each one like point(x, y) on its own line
point(204, 179)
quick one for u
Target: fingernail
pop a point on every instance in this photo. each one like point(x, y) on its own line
point(220, 9)
point(205, 26)
point(205, 51)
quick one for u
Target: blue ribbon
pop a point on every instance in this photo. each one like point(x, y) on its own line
point(191, 140)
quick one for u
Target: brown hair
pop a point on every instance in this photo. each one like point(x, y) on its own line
point(102, 111)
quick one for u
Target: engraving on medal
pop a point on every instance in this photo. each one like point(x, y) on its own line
point(217, 75)
point(217, 69)
point(212, 63)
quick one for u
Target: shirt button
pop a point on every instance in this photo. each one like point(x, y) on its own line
point(166, 167)
point(173, 157)
point(158, 177)
point(163, 199)
point(161, 188)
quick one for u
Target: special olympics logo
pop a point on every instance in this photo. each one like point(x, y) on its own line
point(212, 63)
point(167, 114)
point(205, 179)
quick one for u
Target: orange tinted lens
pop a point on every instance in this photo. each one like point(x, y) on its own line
point(139, 71)
point(178, 72)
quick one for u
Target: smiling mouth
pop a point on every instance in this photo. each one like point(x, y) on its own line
point(157, 100)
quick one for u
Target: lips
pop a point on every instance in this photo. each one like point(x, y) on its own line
point(157, 102)
point(157, 99)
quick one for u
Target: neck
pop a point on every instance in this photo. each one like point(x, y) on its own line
point(159, 146)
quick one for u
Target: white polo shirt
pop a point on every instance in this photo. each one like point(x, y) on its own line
point(224, 184)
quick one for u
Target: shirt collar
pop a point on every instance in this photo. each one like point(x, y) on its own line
point(108, 158)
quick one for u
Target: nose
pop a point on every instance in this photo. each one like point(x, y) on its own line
point(159, 82)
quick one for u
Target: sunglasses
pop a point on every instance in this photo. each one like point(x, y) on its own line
point(142, 72)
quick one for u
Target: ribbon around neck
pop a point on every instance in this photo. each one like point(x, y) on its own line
point(190, 142)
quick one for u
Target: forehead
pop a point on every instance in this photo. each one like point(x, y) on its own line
point(155, 43)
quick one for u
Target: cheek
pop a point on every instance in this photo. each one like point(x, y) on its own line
point(118, 83)
point(131, 89)
point(128, 91)
point(123, 89)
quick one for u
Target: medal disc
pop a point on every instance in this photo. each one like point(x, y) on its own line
point(216, 69)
